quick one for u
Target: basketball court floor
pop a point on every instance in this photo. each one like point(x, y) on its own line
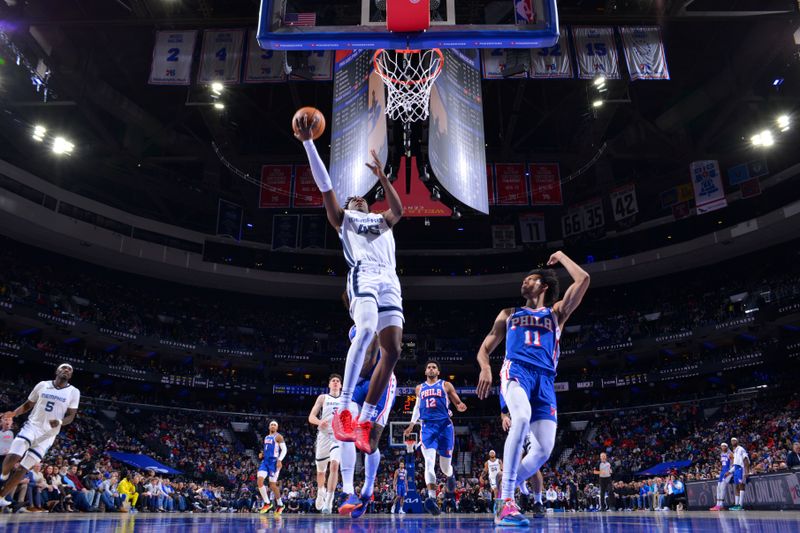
point(691, 522)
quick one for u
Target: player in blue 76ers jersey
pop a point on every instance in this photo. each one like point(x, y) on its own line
point(271, 464)
point(725, 476)
point(432, 408)
point(532, 334)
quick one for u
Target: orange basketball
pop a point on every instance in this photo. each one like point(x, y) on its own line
point(312, 113)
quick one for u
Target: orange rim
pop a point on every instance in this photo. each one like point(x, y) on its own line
point(388, 78)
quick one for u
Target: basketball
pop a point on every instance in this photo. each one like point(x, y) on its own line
point(312, 113)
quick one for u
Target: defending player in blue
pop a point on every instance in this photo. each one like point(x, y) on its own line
point(432, 408)
point(725, 476)
point(532, 334)
point(376, 303)
point(271, 464)
point(356, 504)
point(400, 488)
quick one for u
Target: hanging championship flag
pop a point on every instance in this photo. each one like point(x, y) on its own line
point(172, 58)
point(596, 51)
point(276, 186)
point(511, 187)
point(229, 219)
point(313, 229)
point(315, 65)
point(285, 230)
point(553, 62)
point(545, 184)
point(263, 66)
point(623, 202)
point(221, 58)
point(306, 192)
point(494, 61)
point(532, 228)
point(707, 181)
point(644, 52)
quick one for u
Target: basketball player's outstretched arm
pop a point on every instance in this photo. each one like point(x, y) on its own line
point(303, 132)
point(313, 419)
point(487, 347)
point(453, 396)
point(21, 410)
point(574, 293)
point(395, 211)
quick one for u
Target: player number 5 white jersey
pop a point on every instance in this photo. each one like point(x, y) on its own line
point(368, 238)
point(51, 403)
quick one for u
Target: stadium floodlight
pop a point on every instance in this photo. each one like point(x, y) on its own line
point(784, 122)
point(763, 139)
point(597, 103)
point(435, 194)
point(219, 105)
point(217, 87)
point(599, 80)
point(38, 132)
point(61, 146)
point(456, 215)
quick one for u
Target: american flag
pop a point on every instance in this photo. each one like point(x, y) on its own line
point(300, 19)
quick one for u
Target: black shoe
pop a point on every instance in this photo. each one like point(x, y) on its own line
point(538, 510)
point(431, 507)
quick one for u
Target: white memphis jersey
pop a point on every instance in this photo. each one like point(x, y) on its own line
point(494, 467)
point(367, 237)
point(51, 403)
point(329, 406)
point(738, 456)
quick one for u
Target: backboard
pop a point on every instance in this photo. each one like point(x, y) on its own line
point(361, 24)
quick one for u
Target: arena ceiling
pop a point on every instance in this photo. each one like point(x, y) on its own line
point(147, 149)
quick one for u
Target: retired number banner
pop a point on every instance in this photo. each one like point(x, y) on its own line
point(263, 66)
point(644, 52)
point(596, 51)
point(306, 192)
point(623, 202)
point(172, 58)
point(532, 228)
point(553, 62)
point(319, 63)
point(511, 187)
point(221, 59)
point(545, 184)
point(495, 60)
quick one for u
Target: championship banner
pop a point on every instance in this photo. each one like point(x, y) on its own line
point(172, 58)
point(545, 184)
point(596, 51)
point(318, 65)
point(532, 228)
point(675, 195)
point(229, 219)
point(495, 60)
point(313, 230)
point(511, 184)
point(644, 52)
point(306, 192)
point(750, 188)
point(707, 181)
point(553, 62)
point(284, 231)
point(490, 183)
point(623, 202)
point(276, 186)
point(262, 66)
point(221, 58)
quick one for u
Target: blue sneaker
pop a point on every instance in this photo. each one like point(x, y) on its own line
point(358, 511)
point(431, 507)
point(352, 503)
point(509, 515)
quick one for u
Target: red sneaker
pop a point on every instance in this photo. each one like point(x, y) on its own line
point(343, 427)
point(362, 431)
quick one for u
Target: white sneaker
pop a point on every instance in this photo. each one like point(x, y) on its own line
point(392, 510)
point(401, 511)
point(4, 503)
point(320, 502)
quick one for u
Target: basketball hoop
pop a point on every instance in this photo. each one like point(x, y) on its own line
point(408, 76)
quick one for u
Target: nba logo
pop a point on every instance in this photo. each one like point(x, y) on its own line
point(524, 12)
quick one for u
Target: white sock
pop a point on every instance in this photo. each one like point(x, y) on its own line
point(365, 315)
point(264, 494)
point(520, 409)
point(368, 413)
point(329, 499)
point(348, 464)
point(432, 493)
point(523, 487)
point(4, 477)
point(280, 502)
point(371, 464)
point(537, 497)
point(741, 497)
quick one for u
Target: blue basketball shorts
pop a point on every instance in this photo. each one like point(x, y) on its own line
point(537, 384)
point(385, 402)
point(438, 435)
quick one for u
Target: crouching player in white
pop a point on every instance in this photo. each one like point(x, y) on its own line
point(271, 464)
point(54, 405)
point(328, 449)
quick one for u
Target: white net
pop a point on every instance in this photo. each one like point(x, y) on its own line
point(408, 76)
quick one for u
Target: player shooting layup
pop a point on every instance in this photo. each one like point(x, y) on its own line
point(373, 288)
